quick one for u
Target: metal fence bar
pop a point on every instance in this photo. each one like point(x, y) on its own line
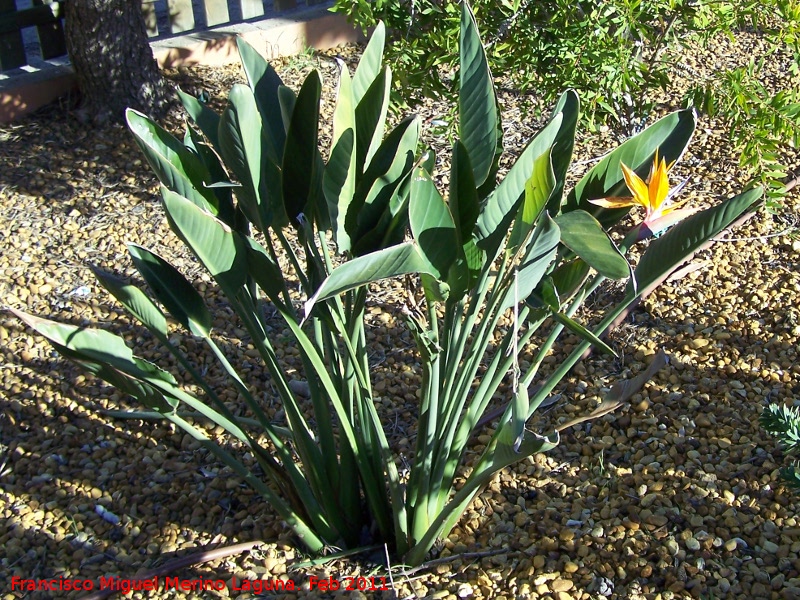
point(51, 35)
point(281, 5)
point(12, 48)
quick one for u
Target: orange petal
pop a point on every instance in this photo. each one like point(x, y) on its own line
point(659, 184)
point(653, 167)
point(637, 187)
point(655, 161)
point(615, 202)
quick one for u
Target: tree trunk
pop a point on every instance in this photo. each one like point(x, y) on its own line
point(114, 65)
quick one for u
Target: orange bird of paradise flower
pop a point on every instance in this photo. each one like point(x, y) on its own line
point(654, 195)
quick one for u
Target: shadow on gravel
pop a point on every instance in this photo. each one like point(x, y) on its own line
point(117, 490)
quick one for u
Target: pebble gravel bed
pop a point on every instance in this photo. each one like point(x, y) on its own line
point(677, 495)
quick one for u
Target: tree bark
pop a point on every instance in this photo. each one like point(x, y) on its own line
point(114, 65)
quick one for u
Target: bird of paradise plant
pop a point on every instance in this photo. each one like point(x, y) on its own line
point(516, 243)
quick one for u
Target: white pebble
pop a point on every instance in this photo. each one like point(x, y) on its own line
point(465, 590)
point(106, 515)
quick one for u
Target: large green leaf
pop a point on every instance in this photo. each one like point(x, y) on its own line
point(219, 248)
point(300, 159)
point(465, 207)
point(264, 82)
point(369, 67)
point(475, 259)
point(339, 179)
point(338, 185)
point(194, 141)
point(221, 185)
point(477, 100)
point(135, 300)
point(669, 135)
point(177, 167)
point(402, 259)
point(96, 345)
point(371, 118)
point(496, 216)
point(287, 99)
point(569, 107)
point(463, 199)
point(431, 223)
point(667, 253)
point(581, 233)
point(205, 118)
point(539, 255)
point(246, 150)
point(393, 223)
point(264, 271)
point(177, 295)
point(538, 190)
point(388, 168)
point(568, 278)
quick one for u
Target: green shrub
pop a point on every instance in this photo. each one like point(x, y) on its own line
point(522, 247)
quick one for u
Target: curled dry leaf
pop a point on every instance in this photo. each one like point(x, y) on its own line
point(620, 392)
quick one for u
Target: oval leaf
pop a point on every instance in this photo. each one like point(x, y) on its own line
point(339, 178)
point(245, 149)
point(539, 255)
point(463, 199)
point(177, 295)
point(176, 167)
point(377, 188)
point(369, 67)
point(538, 190)
point(402, 259)
point(569, 107)
point(300, 162)
point(495, 218)
point(219, 248)
point(431, 223)
point(264, 81)
point(583, 234)
point(477, 101)
point(370, 116)
point(205, 118)
point(135, 301)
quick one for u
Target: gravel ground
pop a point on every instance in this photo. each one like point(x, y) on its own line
point(675, 496)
